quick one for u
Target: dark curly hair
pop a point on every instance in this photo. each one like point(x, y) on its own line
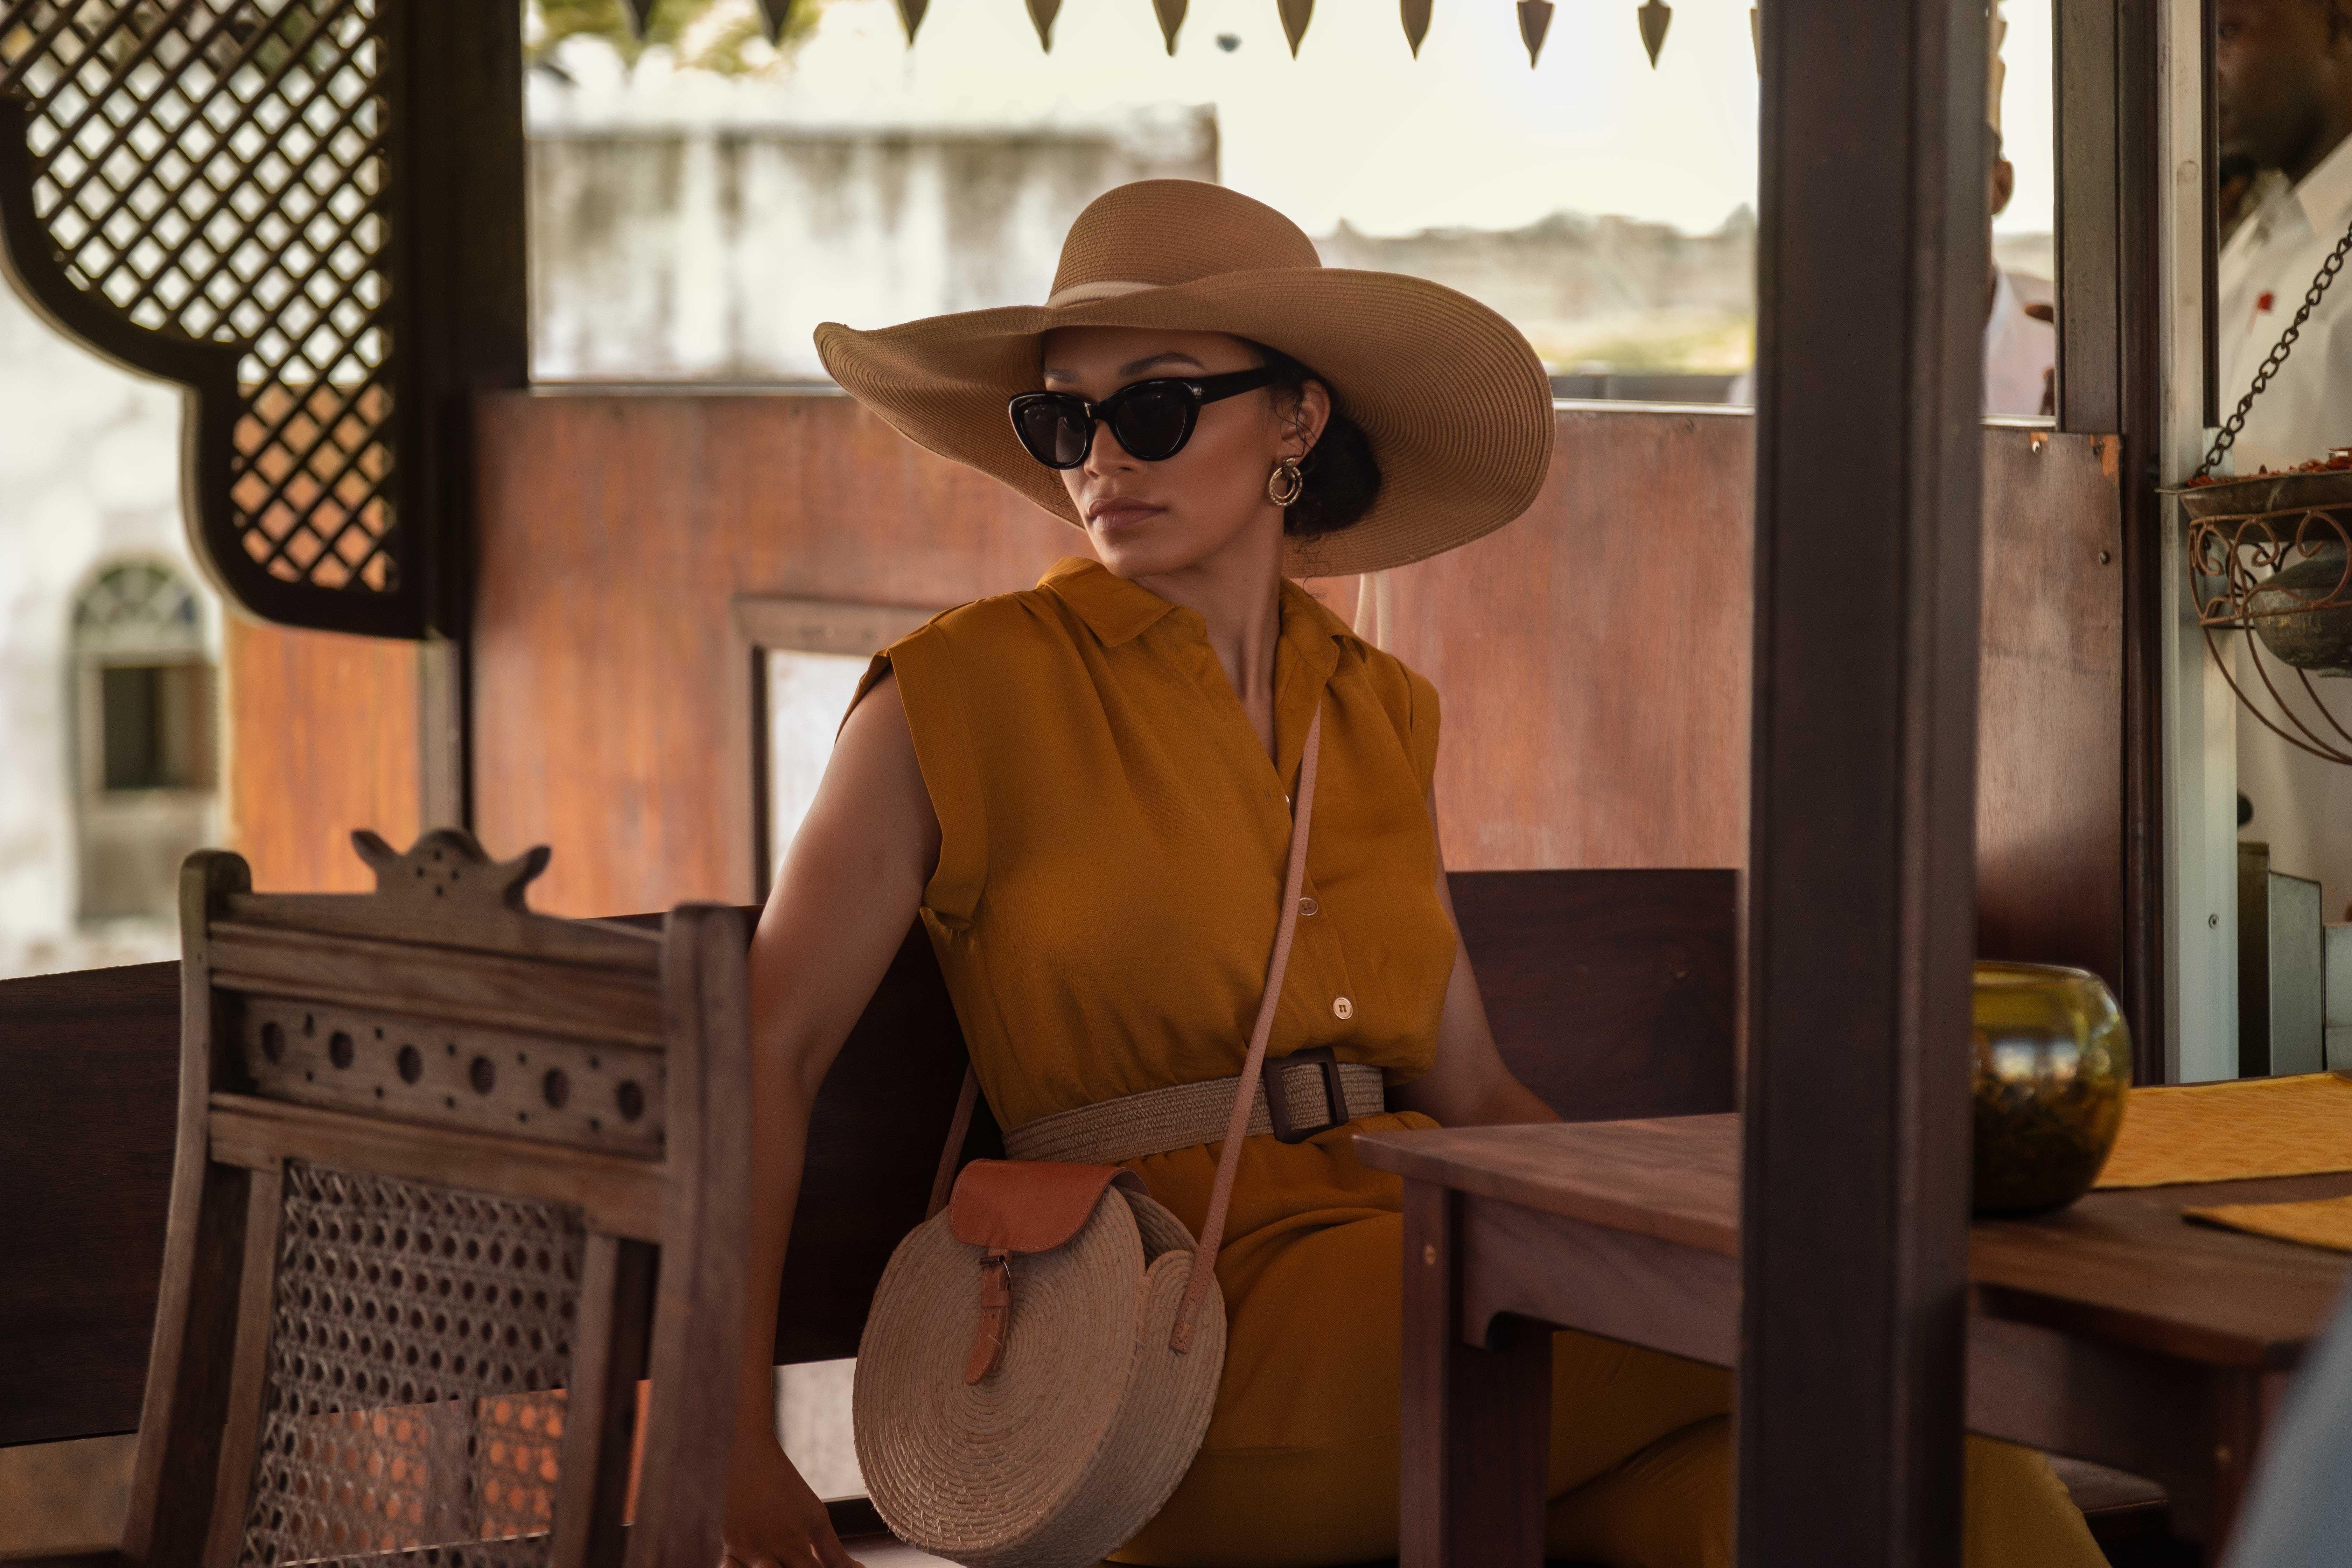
point(1342, 476)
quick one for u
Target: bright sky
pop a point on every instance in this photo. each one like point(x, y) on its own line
point(1355, 128)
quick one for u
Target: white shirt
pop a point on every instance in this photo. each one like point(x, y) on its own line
point(2017, 350)
point(2264, 273)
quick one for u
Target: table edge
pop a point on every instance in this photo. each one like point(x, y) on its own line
point(1388, 1152)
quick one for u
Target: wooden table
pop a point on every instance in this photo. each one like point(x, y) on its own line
point(2111, 1331)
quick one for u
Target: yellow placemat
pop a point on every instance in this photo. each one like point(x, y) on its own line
point(2321, 1222)
point(2297, 1126)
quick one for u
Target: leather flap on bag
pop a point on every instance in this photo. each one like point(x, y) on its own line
point(1026, 1206)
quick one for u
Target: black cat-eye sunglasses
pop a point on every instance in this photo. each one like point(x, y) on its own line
point(1153, 419)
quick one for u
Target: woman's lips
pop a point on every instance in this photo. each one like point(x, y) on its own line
point(1121, 513)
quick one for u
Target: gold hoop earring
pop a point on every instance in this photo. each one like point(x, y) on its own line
point(1286, 484)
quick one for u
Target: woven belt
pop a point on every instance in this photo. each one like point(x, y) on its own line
point(1292, 1105)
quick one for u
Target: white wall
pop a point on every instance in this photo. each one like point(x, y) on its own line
point(88, 475)
point(707, 252)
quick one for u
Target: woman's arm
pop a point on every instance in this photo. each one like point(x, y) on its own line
point(1469, 1086)
point(846, 893)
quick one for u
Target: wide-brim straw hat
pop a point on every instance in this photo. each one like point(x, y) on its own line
point(1456, 404)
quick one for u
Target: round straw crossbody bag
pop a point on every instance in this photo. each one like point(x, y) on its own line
point(1041, 1356)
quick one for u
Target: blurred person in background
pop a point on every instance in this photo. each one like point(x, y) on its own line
point(2284, 88)
point(2020, 345)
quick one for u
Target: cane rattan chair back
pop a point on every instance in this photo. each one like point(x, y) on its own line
point(434, 1151)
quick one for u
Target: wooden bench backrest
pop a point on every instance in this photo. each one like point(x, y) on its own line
point(432, 1149)
point(1611, 992)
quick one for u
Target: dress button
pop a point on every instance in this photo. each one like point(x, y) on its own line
point(1309, 908)
point(1342, 1008)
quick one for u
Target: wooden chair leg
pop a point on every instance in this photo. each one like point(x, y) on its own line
point(1477, 1419)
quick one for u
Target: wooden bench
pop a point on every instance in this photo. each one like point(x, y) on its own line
point(1610, 994)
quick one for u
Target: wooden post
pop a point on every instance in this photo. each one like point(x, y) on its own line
point(464, 309)
point(1871, 280)
point(2111, 171)
point(2085, 54)
point(1477, 1409)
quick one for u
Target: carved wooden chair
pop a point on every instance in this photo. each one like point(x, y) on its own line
point(435, 1152)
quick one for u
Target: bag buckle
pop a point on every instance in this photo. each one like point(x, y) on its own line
point(995, 1314)
point(1276, 1090)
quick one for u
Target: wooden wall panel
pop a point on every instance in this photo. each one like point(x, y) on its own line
point(2050, 753)
point(1592, 658)
point(612, 697)
point(322, 739)
point(1595, 673)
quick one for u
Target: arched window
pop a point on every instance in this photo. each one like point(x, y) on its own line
point(145, 753)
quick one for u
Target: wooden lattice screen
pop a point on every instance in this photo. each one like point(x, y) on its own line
point(253, 198)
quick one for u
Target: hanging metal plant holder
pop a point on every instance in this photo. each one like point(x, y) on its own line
point(2272, 554)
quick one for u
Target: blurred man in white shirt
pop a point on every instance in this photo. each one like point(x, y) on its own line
point(2021, 346)
point(2285, 96)
point(2283, 89)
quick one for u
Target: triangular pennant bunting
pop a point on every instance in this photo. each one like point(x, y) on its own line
point(1172, 16)
point(1416, 24)
point(1654, 18)
point(1295, 16)
point(1042, 14)
point(1534, 21)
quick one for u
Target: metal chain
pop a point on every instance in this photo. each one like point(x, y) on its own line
point(2285, 346)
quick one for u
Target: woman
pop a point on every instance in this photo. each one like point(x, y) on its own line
point(1082, 789)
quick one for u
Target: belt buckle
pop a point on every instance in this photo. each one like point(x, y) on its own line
point(1276, 1090)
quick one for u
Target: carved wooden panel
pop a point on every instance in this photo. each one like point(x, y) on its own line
point(443, 895)
point(555, 1032)
point(589, 1094)
point(212, 176)
point(267, 202)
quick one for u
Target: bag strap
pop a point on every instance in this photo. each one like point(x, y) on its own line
point(959, 1128)
point(1213, 1228)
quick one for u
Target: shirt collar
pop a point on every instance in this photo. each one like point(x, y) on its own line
point(1119, 611)
point(1313, 632)
point(2325, 193)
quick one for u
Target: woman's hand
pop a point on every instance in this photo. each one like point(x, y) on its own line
point(774, 1520)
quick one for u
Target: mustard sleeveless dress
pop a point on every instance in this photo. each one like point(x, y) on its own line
point(1112, 837)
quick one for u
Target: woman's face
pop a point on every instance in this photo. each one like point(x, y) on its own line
point(1152, 519)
